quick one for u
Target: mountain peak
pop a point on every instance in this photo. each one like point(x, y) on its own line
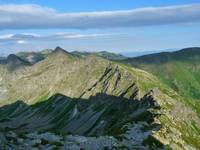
point(13, 57)
point(13, 62)
point(59, 50)
point(59, 55)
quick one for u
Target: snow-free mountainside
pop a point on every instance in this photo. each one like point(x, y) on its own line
point(56, 99)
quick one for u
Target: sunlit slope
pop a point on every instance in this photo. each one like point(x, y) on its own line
point(180, 70)
point(81, 78)
point(64, 73)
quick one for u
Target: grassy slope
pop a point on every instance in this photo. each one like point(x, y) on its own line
point(65, 73)
point(177, 117)
point(71, 76)
point(179, 70)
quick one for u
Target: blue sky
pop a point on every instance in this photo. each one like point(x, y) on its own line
point(91, 25)
point(98, 5)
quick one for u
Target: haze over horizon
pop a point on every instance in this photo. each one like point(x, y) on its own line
point(113, 26)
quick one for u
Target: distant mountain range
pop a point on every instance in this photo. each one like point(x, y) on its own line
point(80, 100)
point(142, 52)
point(40, 55)
point(34, 57)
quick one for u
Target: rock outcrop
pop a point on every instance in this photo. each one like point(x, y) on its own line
point(100, 122)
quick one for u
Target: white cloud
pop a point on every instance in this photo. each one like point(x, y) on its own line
point(80, 36)
point(6, 36)
point(25, 37)
point(36, 17)
point(22, 42)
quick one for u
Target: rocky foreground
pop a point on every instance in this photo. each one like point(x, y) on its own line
point(92, 124)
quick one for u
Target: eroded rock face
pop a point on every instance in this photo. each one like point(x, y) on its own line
point(100, 122)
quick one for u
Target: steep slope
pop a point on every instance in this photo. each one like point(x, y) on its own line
point(93, 117)
point(180, 70)
point(81, 78)
point(62, 72)
point(9, 68)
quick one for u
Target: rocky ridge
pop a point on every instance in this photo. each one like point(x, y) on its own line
point(80, 79)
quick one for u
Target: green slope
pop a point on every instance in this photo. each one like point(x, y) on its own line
point(180, 70)
point(81, 78)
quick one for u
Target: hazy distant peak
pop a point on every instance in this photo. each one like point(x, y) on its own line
point(59, 50)
point(13, 62)
point(46, 51)
point(15, 58)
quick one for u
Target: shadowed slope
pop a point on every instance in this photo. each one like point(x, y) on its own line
point(100, 115)
point(13, 62)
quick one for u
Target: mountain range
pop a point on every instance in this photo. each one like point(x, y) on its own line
point(56, 99)
point(34, 57)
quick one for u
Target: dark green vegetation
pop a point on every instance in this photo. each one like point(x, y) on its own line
point(180, 70)
point(100, 98)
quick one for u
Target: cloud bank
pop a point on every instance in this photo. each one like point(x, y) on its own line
point(24, 38)
point(30, 16)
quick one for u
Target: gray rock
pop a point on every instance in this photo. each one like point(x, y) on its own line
point(3, 140)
